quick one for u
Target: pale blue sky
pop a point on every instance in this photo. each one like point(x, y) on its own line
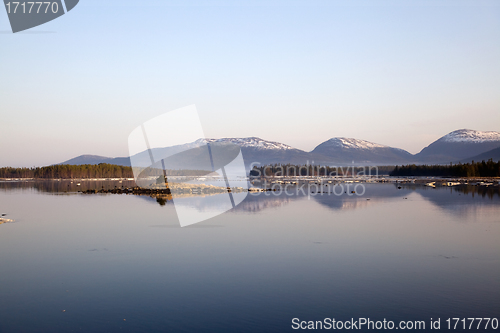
point(400, 73)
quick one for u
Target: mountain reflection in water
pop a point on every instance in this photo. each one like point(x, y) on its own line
point(458, 199)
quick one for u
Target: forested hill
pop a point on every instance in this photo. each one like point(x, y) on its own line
point(84, 171)
point(478, 169)
point(65, 171)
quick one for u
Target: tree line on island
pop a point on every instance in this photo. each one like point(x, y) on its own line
point(474, 169)
point(66, 171)
point(305, 170)
point(103, 170)
point(84, 171)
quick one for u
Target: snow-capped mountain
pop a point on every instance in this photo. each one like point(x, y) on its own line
point(253, 150)
point(252, 142)
point(256, 150)
point(349, 143)
point(471, 136)
point(342, 150)
point(459, 145)
point(456, 146)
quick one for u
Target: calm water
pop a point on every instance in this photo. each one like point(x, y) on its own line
point(121, 263)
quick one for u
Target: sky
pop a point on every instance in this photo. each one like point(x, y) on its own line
point(399, 73)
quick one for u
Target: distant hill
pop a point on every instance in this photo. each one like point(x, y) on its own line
point(347, 150)
point(253, 150)
point(458, 145)
point(96, 159)
point(493, 154)
point(256, 149)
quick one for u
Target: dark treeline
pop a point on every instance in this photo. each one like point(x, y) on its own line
point(478, 169)
point(65, 171)
point(84, 171)
point(291, 170)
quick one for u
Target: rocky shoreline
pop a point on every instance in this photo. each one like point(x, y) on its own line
point(172, 189)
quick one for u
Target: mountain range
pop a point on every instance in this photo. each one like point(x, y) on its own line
point(462, 145)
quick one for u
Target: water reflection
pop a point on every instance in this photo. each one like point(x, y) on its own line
point(457, 199)
point(257, 202)
point(491, 191)
point(465, 202)
point(466, 197)
point(64, 186)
